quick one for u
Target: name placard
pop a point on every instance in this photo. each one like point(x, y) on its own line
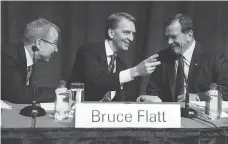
point(120, 115)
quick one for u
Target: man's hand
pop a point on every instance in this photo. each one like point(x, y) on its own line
point(192, 97)
point(146, 67)
point(148, 98)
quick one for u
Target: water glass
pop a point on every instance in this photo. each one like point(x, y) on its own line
point(62, 102)
point(213, 106)
point(77, 92)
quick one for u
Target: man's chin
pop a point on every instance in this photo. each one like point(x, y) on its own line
point(46, 60)
point(125, 48)
point(176, 51)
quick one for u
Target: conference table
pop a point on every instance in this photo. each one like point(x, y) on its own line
point(16, 128)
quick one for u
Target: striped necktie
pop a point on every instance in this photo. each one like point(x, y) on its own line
point(107, 96)
point(29, 73)
point(179, 87)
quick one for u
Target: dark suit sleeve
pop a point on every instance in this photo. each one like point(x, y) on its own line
point(220, 73)
point(13, 84)
point(90, 69)
point(154, 83)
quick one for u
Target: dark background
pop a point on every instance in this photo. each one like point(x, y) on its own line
point(82, 22)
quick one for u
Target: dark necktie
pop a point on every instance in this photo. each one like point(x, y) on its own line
point(29, 73)
point(179, 86)
point(107, 96)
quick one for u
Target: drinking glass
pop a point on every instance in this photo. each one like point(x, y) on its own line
point(77, 90)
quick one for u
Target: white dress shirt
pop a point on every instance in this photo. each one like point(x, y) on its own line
point(124, 75)
point(187, 57)
point(28, 58)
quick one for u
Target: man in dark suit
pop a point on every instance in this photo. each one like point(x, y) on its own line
point(200, 66)
point(102, 69)
point(17, 62)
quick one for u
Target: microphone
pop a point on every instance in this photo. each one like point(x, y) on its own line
point(34, 49)
point(33, 110)
point(34, 114)
point(186, 111)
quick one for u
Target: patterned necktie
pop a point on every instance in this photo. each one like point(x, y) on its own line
point(29, 73)
point(107, 96)
point(179, 86)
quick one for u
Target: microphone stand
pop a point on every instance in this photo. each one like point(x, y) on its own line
point(186, 111)
point(33, 110)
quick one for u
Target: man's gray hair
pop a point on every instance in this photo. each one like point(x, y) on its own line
point(184, 20)
point(37, 29)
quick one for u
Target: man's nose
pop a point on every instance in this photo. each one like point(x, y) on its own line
point(131, 37)
point(56, 49)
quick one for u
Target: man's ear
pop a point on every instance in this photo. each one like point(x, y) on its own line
point(110, 33)
point(190, 35)
point(38, 44)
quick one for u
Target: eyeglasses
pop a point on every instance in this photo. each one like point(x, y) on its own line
point(54, 44)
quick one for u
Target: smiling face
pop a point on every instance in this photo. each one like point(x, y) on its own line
point(178, 41)
point(123, 34)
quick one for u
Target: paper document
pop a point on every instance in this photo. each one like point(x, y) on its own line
point(202, 104)
point(5, 105)
point(48, 106)
point(51, 107)
point(223, 114)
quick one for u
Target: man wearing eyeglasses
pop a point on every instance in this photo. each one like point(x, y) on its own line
point(17, 60)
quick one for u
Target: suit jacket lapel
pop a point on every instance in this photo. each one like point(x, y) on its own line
point(120, 64)
point(22, 60)
point(168, 68)
point(171, 76)
point(195, 63)
point(101, 52)
point(121, 95)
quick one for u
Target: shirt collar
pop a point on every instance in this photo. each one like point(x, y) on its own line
point(28, 58)
point(188, 53)
point(108, 49)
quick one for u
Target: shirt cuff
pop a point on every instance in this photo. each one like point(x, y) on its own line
point(125, 76)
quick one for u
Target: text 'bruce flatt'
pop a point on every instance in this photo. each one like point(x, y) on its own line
point(142, 116)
